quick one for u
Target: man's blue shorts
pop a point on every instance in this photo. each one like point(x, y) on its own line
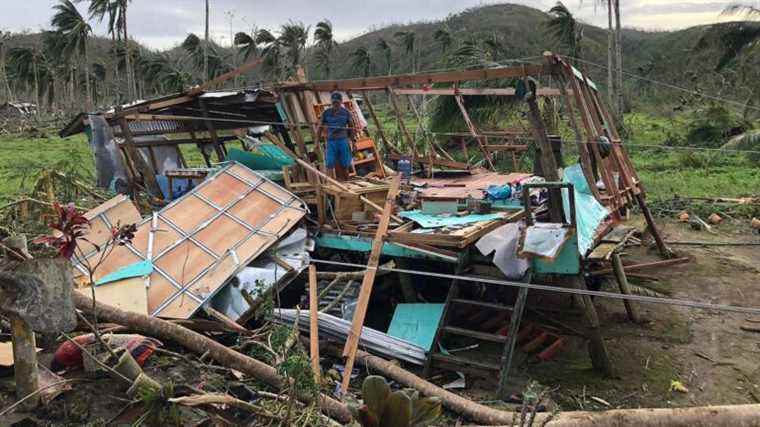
point(338, 150)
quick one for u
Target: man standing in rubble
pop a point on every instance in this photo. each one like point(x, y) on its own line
point(337, 122)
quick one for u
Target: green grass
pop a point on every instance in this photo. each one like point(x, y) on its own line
point(21, 156)
point(664, 172)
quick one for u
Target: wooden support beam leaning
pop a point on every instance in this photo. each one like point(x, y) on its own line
point(314, 323)
point(400, 118)
point(474, 131)
point(625, 289)
point(137, 159)
point(389, 148)
point(352, 342)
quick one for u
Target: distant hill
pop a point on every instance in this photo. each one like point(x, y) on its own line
point(664, 55)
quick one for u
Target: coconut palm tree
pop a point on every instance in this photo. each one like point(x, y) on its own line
point(361, 61)
point(323, 35)
point(246, 44)
point(408, 42)
point(99, 10)
point(444, 38)
point(25, 64)
point(6, 86)
point(271, 51)
point(75, 30)
point(293, 38)
point(565, 30)
point(385, 47)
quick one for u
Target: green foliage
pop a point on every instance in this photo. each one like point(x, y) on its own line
point(401, 408)
point(712, 125)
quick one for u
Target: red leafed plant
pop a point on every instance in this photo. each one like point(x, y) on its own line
point(70, 226)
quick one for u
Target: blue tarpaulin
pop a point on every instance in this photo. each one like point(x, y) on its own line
point(432, 221)
point(589, 213)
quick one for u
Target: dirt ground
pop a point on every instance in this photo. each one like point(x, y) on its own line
point(703, 349)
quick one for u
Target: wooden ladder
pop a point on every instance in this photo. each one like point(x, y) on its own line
point(454, 363)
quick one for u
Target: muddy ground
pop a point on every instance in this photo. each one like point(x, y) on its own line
point(703, 349)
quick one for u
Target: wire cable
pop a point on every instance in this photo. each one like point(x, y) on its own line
point(531, 286)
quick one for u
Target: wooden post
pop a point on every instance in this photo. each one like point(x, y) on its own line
point(400, 121)
point(617, 266)
point(137, 159)
point(352, 341)
point(473, 130)
point(661, 246)
point(548, 162)
point(24, 362)
point(600, 360)
point(314, 323)
point(212, 131)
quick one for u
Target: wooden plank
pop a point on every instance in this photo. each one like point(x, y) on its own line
point(380, 83)
point(625, 289)
point(197, 90)
point(471, 91)
point(352, 343)
point(314, 323)
point(437, 162)
point(474, 131)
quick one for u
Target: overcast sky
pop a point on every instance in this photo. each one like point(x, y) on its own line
point(164, 23)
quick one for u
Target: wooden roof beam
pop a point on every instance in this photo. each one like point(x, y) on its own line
point(375, 83)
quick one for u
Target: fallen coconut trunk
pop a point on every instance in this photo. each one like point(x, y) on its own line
point(475, 411)
point(728, 415)
point(725, 415)
point(198, 343)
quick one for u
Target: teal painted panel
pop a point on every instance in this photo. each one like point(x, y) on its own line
point(138, 269)
point(432, 221)
point(416, 323)
point(363, 244)
point(567, 261)
point(589, 213)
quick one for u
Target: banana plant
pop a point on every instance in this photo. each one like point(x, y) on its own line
point(401, 408)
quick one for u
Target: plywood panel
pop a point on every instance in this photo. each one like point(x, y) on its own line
point(129, 294)
point(196, 273)
point(221, 234)
point(225, 189)
point(190, 213)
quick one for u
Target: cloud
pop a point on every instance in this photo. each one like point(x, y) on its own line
point(165, 23)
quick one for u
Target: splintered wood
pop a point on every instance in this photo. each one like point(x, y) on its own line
point(352, 343)
point(204, 238)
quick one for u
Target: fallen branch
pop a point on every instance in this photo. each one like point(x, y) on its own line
point(222, 399)
point(642, 266)
point(200, 344)
point(475, 411)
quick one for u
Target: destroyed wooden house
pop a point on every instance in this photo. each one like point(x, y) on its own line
point(462, 236)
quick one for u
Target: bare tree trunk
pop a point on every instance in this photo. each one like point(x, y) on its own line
point(88, 94)
point(610, 56)
point(619, 60)
point(131, 88)
point(205, 47)
point(36, 85)
point(116, 77)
